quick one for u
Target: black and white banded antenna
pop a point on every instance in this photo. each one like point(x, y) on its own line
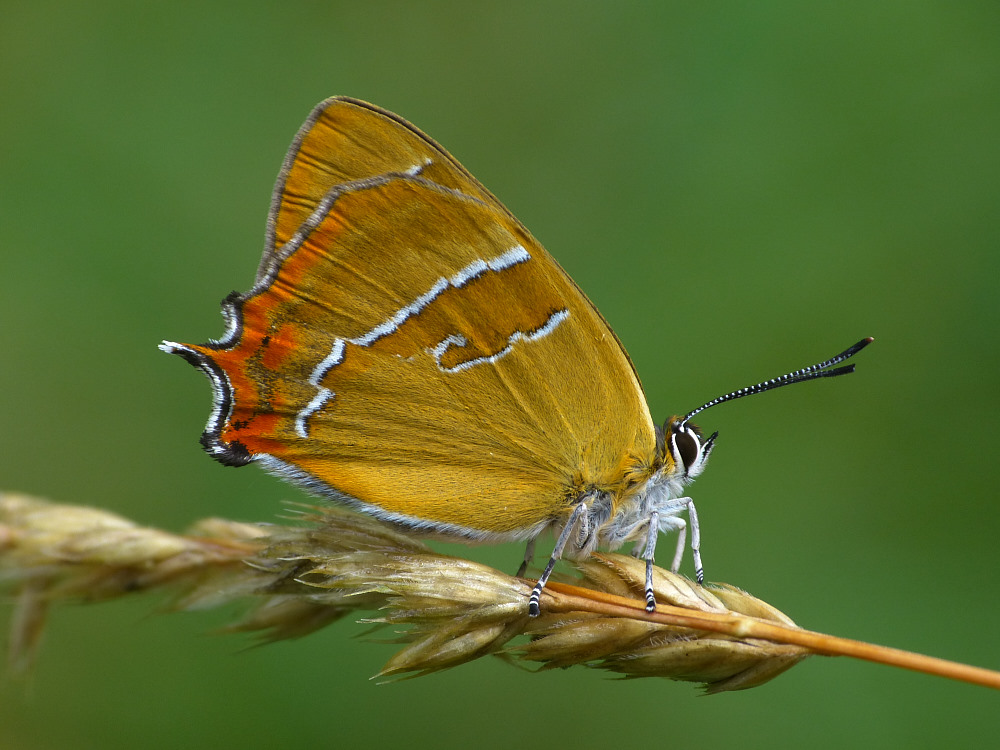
point(820, 370)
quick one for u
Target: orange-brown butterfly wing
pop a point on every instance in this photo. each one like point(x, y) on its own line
point(411, 349)
point(344, 140)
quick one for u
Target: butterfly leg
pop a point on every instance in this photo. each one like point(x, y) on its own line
point(578, 513)
point(673, 523)
point(699, 570)
point(651, 533)
point(682, 531)
point(529, 555)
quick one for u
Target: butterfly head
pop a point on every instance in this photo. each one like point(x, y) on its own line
point(690, 451)
point(686, 446)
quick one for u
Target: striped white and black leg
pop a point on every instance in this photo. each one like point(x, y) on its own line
point(648, 553)
point(536, 593)
point(682, 527)
point(699, 570)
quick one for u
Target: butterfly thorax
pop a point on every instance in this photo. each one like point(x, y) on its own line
point(612, 521)
point(653, 491)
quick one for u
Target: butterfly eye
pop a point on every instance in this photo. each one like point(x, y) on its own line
point(686, 445)
point(690, 452)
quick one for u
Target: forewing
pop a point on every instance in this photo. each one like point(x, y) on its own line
point(345, 140)
point(411, 349)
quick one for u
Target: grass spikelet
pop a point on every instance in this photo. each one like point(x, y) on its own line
point(446, 611)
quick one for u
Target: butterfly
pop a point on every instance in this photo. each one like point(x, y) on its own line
point(410, 350)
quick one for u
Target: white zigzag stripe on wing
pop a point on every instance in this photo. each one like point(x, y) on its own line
point(476, 268)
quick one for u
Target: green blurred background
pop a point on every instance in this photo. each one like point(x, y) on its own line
point(741, 188)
